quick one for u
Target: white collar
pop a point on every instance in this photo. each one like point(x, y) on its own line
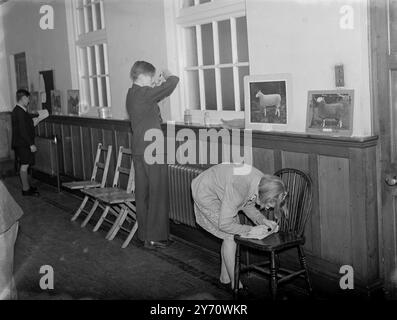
point(24, 109)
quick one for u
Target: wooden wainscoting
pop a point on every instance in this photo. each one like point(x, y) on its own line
point(343, 227)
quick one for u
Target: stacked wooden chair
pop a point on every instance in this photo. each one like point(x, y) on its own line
point(119, 202)
point(289, 237)
point(94, 182)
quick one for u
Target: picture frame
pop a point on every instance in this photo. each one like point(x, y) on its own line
point(33, 106)
point(56, 102)
point(330, 112)
point(73, 98)
point(268, 101)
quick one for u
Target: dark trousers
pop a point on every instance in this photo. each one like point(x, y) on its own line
point(152, 202)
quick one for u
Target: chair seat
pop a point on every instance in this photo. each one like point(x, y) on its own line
point(97, 191)
point(81, 184)
point(111, 195)
point(275, 242)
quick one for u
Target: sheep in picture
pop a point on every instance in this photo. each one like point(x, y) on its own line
point(269, 100)
point(330, 111)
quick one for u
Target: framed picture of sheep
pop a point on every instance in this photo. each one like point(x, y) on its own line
point(330, 112)
point(267, 101)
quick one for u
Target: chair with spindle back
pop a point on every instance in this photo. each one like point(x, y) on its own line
point(93, 182)
point(290, 235)
point(118, 201)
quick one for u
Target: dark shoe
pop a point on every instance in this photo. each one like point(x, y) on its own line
point(154, 244)
point(34, 189)
point(138, 243)
point(30, 192)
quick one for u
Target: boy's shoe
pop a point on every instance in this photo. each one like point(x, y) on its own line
point(151, 245)
point(30, 192)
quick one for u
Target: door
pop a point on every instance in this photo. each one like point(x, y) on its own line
point(383, 52)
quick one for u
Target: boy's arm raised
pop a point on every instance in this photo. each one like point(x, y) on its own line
point(166, 88)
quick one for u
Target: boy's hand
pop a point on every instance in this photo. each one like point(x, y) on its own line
point(33, 148)
point(166, 73)
point(270, 224)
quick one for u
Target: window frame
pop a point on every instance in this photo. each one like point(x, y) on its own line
point(83, 42)
point(195, 16)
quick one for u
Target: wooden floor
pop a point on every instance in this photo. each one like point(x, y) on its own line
point(87, 266)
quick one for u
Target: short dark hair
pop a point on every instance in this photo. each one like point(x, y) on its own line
point(141, 67)
point(22, 93)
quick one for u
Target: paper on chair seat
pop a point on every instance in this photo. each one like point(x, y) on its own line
point(259, 232)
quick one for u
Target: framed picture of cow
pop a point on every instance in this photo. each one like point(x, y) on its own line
point(330, 112)
point(268, 101)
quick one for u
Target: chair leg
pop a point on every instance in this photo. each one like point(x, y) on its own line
point(88, 217)
point(302, 260)
point(101, 219)
point(130, 236)
point(82, 205)
point(273, 276)
point(247, 261)
point(117, 224)
point(236, 273)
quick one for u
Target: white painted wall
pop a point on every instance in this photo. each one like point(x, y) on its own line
point(5, 103)
point(300, 37)
point(303, 38)
point(135, 31)
point(45, 49)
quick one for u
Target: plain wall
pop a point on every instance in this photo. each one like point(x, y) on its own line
point(135, 31)
point(45, 49)
point(5, 103)
point(304, 38)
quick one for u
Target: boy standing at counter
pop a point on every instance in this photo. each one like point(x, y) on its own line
point(23, 135)
point(151, 185)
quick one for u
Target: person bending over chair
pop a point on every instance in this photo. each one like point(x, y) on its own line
point(220, 192)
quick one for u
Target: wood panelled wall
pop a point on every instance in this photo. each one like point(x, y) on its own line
point(343, 228)
point(5, 136)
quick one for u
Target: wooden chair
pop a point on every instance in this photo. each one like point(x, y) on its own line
point(290, 235)
point(120, 202)
point(93, 182)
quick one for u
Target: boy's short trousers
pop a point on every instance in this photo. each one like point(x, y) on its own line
point(24, 155)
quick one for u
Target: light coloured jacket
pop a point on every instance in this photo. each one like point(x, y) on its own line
point(10, 211)
point(227, 188)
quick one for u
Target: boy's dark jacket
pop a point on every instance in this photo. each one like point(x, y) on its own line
point(22, 128)
point(144, 111)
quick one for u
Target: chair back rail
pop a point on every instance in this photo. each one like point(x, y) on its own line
point(122, 170)
point(104, 166)
point(298, 201)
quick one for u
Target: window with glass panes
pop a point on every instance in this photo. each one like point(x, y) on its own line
point(92, 53)
point(215, 44)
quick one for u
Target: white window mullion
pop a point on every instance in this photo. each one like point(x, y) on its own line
point(86, 17)
point(200, 63)
point(105, 53)
point(94, 18)
point(98, 78)
point(102, 14)
point(83, 76)
point(236, 81)
point(91, 79)
point(217, 70)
